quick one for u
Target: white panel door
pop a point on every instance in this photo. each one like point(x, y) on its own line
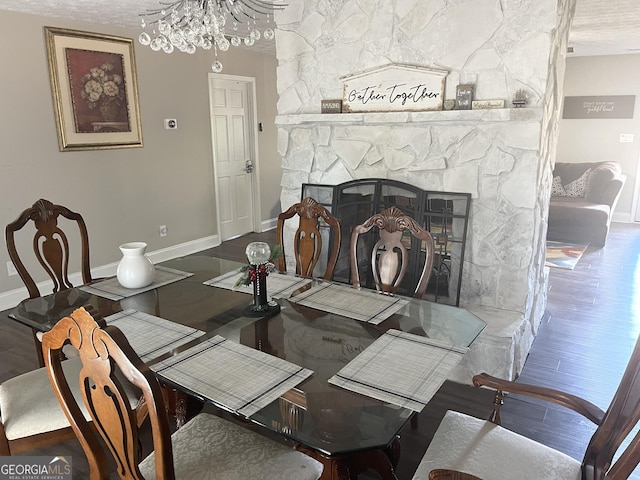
point(232, 154)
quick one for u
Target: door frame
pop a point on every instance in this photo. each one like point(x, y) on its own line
point(635, 202)
point(252, 136)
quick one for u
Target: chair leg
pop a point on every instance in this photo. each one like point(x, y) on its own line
point(38, 345)
point(5, 451)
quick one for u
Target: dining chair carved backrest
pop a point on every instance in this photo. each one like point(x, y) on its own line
point(207, 446)
point(51, 249)
point(389, 256)
point(50, 245)
point(487, 450)
point(307, 241)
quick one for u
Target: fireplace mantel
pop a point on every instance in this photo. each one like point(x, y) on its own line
point(459, 117)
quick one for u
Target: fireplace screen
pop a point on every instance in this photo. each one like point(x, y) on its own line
point(444, 214)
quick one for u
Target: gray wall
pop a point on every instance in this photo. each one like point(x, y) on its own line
point(124, 194)
point(596, 140)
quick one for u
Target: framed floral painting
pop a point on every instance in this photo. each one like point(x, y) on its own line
point(95, 90)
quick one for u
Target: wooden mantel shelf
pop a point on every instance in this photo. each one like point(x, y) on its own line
point(439, 116)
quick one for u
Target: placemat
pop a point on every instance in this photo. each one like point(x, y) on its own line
point(400, 368)
point(151, 336)
point(367, 306)
point(234, 376)
point(111, 289)
point(279, 285)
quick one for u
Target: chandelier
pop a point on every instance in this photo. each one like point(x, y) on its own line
point(188, 24)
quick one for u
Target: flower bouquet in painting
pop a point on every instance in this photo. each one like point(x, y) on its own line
point(105, 90)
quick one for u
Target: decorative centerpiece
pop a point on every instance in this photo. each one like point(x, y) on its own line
point(135, 270)
point(260, 257)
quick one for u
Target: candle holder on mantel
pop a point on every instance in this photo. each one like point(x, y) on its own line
point(259, 256)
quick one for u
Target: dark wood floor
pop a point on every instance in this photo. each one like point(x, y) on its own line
point(584, 342)
point(590, 327)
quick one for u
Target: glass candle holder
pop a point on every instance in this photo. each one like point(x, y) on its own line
point(258, 253)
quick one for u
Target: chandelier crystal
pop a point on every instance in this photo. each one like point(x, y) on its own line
point(190, 24)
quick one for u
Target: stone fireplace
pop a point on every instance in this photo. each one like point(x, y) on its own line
point(502, 157)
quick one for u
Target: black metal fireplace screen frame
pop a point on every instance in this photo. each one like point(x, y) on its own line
point(444, 214)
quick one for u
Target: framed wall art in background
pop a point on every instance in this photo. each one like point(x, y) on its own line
point(95, 90)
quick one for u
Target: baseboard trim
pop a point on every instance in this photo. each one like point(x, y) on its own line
point(11, 298)
point(621, 218)
point(267, 225)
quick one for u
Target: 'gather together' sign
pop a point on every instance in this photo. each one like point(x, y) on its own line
point(394, 88)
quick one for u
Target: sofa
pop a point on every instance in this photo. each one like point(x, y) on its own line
point(583, 197)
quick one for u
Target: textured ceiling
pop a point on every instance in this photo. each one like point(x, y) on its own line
point(606, 27)
point(600, 27)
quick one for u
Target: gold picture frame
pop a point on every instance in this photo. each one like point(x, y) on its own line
point(95, 90)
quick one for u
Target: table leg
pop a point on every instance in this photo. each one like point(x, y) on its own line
point(393, 451)
point(349, 466)
point(182, 406)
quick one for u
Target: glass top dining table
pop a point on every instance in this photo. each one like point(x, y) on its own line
point(315, 414)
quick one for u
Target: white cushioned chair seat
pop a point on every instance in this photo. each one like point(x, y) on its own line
point(28, 404)
point(209, 447)
point(491, 452)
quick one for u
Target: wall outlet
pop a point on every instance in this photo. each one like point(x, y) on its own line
point(11, 269)
point(170, 124)
point(163, 230)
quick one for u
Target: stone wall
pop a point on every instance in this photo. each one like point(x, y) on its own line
point(502, 157)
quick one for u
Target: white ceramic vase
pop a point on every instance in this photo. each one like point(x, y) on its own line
point(135, 270)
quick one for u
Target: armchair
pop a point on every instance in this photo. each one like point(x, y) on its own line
point(487, 450)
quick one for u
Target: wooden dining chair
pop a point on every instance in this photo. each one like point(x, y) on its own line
point(205, 447)
point(389, 256)
point(485, 449)
point(30, 414)
point(307, 241)
point(51, 249)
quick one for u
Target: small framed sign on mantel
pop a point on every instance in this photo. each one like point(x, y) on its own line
point(464, 96)
point(331, 106)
